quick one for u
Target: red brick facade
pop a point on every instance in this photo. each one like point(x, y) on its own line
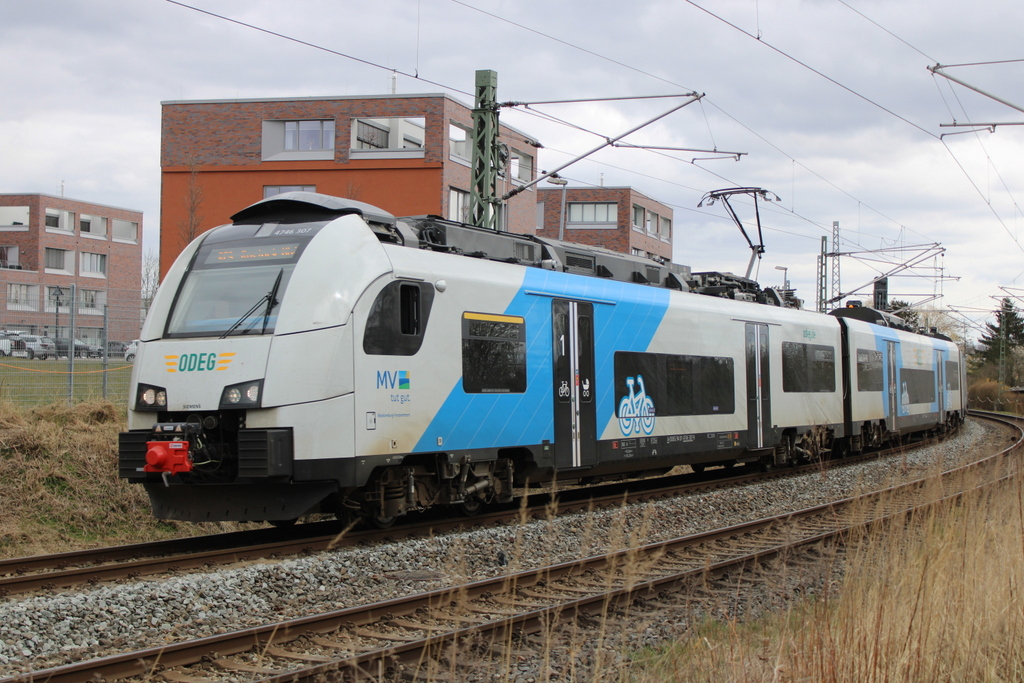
point(624, 236)
point(119, 289)
point(221, 147)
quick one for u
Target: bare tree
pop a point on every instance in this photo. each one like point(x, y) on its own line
point(190, 226)
point(150, 278)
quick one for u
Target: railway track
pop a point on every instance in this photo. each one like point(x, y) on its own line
point(434, 633)
point(70, 569)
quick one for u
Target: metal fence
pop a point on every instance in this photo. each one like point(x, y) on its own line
point(71, 347)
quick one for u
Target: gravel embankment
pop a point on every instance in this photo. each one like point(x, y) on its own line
point(48, 630)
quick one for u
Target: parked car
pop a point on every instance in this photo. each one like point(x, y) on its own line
point(5, 346)
point(116, 349)
point(131, 350)
point(38, 347)
point(82, 349)
point(14, 346)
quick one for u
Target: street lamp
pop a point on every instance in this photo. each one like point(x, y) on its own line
point(556, 180)
point(785, 276)
point(56, 295)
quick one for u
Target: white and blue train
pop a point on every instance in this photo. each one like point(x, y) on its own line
point(318, 354)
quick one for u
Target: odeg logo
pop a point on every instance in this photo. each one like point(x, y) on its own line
point(198, 362)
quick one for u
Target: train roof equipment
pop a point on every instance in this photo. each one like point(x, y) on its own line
point(440, 234)
point(856, 310)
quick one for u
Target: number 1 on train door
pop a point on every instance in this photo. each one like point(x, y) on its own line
point(574, 390)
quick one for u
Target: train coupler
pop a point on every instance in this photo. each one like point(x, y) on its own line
point(170, 451)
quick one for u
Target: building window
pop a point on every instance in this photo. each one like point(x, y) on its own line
point(653, 221)
point(459, 141)
point(9, 257)
point(14, 216)
point(91, 301)
point(56, 259)
point(92, 225)
point(638, 218)
point(94, 264)
point(388, 134)
point(370, 136)
point(57, 296)
point(271, 190)
point(59, 220)
point(520, 166)
point(666, 229)
point(458, 205)
point(22, 297)
point(308, 136)
point(637, 252)
point(593, 212)
point(127, 231)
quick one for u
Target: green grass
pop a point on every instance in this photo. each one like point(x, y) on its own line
point(28, 383)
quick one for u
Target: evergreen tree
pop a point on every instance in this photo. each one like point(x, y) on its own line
point(903, 309)
point(1008, 319)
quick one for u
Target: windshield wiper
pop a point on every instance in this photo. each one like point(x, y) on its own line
point(270, 298)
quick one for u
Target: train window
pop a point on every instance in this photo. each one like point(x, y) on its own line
point(808, 367)
point(869, 370)
point(677, 385)
point(398, 319)
point(952, 375)
point(493, 354)
point(916, 386)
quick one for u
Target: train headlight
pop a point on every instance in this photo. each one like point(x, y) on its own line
point(242, 395)
point(149, 397)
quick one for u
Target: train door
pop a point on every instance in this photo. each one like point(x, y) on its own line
point(575, 409)
point(759, 407)
point(894, 392)
point(940, 381)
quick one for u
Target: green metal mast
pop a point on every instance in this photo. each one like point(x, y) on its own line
point(483, 201)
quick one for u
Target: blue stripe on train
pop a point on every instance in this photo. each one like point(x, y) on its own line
point(626, 317)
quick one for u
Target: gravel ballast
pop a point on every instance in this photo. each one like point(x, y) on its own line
point(41, 631)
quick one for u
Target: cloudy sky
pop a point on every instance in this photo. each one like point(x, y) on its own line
point(830, 102)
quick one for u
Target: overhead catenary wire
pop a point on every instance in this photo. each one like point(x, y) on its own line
point(416, 76)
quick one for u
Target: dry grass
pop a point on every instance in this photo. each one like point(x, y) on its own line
point(58, 473)
point(935, 599)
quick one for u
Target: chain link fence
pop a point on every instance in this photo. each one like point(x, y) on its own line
point(69, 346)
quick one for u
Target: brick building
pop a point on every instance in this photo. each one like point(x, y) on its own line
point(51, 246)
point(407, 154)
point(617, 218)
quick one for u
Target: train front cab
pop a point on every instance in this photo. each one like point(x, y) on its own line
point(265, 413)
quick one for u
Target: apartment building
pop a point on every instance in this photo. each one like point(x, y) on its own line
point(407, 154)
point(53, 246)
point(617, 218)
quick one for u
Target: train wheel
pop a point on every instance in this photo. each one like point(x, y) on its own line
point(381, 522)
point(470, 507)
point(698, 467)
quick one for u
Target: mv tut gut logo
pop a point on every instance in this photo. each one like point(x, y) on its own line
point(636, 409)
point(395, 379)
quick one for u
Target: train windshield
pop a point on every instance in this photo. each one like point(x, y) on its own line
point(234, 289)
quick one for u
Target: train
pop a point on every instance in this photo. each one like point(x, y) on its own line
point(320, 355)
